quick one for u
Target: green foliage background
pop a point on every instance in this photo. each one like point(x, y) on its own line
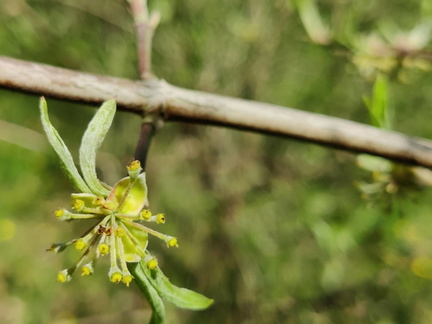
point(273, 229)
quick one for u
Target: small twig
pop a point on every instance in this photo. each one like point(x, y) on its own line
point(143, 146)
point(145, 25)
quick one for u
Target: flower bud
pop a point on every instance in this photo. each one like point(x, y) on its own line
point(134, 169)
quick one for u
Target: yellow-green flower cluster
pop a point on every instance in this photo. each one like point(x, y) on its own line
point(120, 231)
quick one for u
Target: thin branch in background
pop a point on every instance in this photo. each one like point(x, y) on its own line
point(22, 136)
point(145, 25)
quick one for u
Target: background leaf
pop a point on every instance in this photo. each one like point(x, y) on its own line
point(378, 106)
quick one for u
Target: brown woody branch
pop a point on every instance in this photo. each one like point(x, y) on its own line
point(177, 104)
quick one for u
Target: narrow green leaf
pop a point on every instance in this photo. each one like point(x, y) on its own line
point(378, 106)
point(156, 303)
point(181, 297)
point(91, 141)
point(310, 16)
point(66, 160)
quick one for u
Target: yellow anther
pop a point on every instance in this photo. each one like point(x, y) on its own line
point(152, 264)
point(103, 248)
point(87, 270)
point(134, 165)
point(120, 231)
point(127, 279)
point(59, 213)
point(160, 219)
point(173, 242)
point(116, 277)
point(146, 214)
point(78, 205)
point(80, 244)
point(98, 201)
point(63, 276)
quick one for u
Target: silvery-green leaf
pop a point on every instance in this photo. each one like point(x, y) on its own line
point(91, 141)
point(156, 303)
point(181, 297)
point(61, 149)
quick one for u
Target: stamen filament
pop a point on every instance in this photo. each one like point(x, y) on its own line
point(159, 235)
point(81, 216)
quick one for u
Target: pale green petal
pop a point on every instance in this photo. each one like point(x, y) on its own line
point(134, 248)
point(129, 198)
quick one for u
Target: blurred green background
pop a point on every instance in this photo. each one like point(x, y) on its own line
point(275, 230)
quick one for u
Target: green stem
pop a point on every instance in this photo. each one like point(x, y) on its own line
point(156, 303)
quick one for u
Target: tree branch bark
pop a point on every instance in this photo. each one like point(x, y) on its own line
point(177, 104)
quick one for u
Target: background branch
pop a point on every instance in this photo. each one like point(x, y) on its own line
point(145, 25)
point(177, 104)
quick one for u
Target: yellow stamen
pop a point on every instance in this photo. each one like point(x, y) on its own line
point(120, 231)
point(78, 205)
point(145, 214)
point(63, 276)
point(98, 201)
point(127, 279)
point(160, 219)
point(59, 213)
point(116, 277)
point(173, 242)
point(152, 264)
point(87, 270)
point(103, 248)
point(80, 244)
point(134, 165)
